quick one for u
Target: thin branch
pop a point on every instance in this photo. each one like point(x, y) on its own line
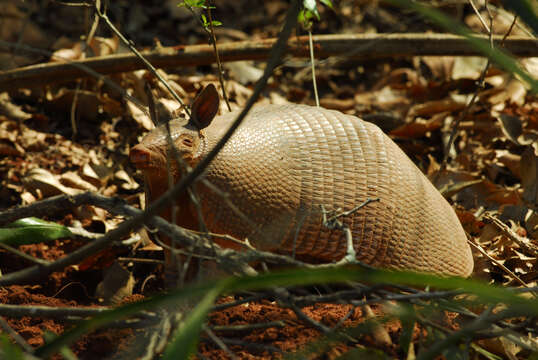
point(217, 57)
point(356, 46)
point(24, 255)
point(475, 9)
point(470, 104)
point(498, 263)
point(131, 47)
point(218, 342)
point(15, 336)
point(249, 327)
point(248, 345)
point(524, 243)
point(49, 312)
point(313, 67)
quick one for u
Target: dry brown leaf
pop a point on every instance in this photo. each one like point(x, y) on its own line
point(68, 54)
point(385, 99)
point(73, 180)
point(27, 198)
point(45, 184)
point(399, 79)
point(111, 106)
point(510, 160)
point(500, 346)
point(127, 182)
point(239, 92)
point(18, 28)
point(117, 284)
point(514, 91)
point(485, 193)
point(468, 67)
point(10, 110)
point(244, 71)
point(529, 175)
point(531, 224)
point(173, 81)
point(8, 148)
point(419, 127)
point(88, 173)
point(88, 103)
point(33, 140)
point(431, 108)
point(511, 127)
point(531, 65)
point(440, 66)
point(167, 109)
point(337, 104)
point(103, 171)
point(104, 46)
point(139, 116)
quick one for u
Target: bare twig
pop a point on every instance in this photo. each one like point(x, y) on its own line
point(15, 336)
point(332, 223)
point(217, 57)
point(49, 312)
point(498, 263)
point(249, 327)
point(24, 255)
point(102, 14)
point(218, 341)
point(248, 345)
point(362, 45)
point(470, 104)
point(524, 243)
point(313, 67)
point(286, 300)
point(475, 9)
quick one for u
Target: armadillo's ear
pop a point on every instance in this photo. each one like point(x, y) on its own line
point(205, 107)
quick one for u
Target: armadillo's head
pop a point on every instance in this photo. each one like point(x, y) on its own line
point(151, 154)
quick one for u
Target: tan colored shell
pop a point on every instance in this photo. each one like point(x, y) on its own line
point(285, 162)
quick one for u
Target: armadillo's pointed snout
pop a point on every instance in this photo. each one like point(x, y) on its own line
point(140, 156)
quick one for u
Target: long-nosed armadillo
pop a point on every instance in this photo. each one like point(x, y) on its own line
point(285, 162)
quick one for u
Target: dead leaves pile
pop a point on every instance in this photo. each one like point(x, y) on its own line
point(70, 138)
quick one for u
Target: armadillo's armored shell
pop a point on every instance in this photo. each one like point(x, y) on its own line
point(285, 162)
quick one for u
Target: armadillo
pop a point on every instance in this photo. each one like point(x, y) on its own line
point(286, 164)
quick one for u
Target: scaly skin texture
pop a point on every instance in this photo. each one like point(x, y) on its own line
point(285, 162)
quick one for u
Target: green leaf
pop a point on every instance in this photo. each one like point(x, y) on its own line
point(407, 317)
point(185, 340)
point(32, 231)
point(311, 8)
point(8, 350)
point(193, 4)
point(367, 353)
point(485, 353)
point(216, 23)
point(327, 3)
point(517, 305)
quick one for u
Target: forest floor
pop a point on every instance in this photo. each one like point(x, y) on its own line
point(416, 100)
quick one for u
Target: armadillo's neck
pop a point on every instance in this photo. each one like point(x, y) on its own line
point(157, 185)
